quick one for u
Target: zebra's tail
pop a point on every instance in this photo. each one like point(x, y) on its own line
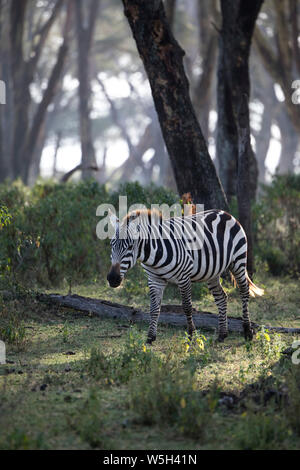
point(253, 289)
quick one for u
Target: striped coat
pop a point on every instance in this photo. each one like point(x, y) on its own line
point(182, 250)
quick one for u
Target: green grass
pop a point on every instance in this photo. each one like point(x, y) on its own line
point(74, 381)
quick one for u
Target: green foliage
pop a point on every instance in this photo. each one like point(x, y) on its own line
point(260, 431)
point(12, 326)
point(4, 216)
point(48, 232)
point(172, 398)
point(20, 440)
point(89, 421)
point(293, 409)
point(134, 359)
point(276, 220)
point(147, 195)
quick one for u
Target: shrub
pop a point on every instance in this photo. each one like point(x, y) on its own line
point(277, 225)
point(172, 398)
point(260, 431)
point(51, 236)
point(90, 421)
point(134, 359)
point(293, 409)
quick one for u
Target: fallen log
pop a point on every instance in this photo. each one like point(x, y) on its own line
point(170, 314)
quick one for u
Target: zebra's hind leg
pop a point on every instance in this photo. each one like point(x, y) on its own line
point(186, 296)
point(243, 285)
point(156, 292)
point(221, 301)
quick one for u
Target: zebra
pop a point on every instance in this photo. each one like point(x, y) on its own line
point(168, 258)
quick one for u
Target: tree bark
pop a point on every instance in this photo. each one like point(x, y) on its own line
point(237, 29)
point(233, 82)
point(227, 135)
point(162, 57)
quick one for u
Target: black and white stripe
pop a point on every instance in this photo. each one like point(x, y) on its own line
point(165, 248)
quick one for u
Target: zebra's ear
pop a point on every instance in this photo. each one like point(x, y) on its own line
point(113, 219)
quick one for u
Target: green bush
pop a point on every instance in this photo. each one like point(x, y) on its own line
point(134, 359)
point(260, 431)
point(51, 237)
point(276, 220)
point(171, 398)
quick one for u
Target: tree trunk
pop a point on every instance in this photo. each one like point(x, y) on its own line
point(25, 134)
point(5, 109)
point(84, 32)
point(227, 135)
point(162, 57)
point(237, 29)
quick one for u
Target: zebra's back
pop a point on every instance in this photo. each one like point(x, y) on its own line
point(223, 242)
point(200, 246)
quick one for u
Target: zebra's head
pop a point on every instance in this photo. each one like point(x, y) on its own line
point(124, 248)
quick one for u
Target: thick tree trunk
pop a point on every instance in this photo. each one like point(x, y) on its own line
point(237, 29)
point(233, 82)
point(227, 135)
point(162, 57)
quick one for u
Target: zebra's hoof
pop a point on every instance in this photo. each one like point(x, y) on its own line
point(190, 334)
point(248, 333)
point(150, 339)
point(222, 336)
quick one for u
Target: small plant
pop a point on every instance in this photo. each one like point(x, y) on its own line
point(269, 346)
point(100, 365)
point(258, 431)
point(172, 398)
point(12, 329)
point(293, 408)
point(136, 358)
point(20, 440)
point(90, 421)
point(66, 332)
point(194, 350)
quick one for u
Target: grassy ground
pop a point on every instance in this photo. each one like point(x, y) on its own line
point(74, 381)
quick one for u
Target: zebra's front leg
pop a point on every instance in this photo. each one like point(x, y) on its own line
point(186, 296)
point(156, 292)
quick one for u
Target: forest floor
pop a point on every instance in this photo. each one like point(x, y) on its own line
point(74, 381)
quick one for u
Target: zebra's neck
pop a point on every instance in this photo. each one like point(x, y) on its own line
point(149, 243)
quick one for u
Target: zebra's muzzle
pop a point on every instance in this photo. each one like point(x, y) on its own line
point(114, 276)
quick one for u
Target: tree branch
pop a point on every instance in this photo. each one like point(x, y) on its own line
point(42, 34)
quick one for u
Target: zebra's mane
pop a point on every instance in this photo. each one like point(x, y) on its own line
point(143, 213)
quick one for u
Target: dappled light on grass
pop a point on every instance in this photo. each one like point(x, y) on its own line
point(73, 363)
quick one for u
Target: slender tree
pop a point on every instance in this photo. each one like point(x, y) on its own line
point(23, 67)
point(86, 15)
point(162, 57)
point(280, 54)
